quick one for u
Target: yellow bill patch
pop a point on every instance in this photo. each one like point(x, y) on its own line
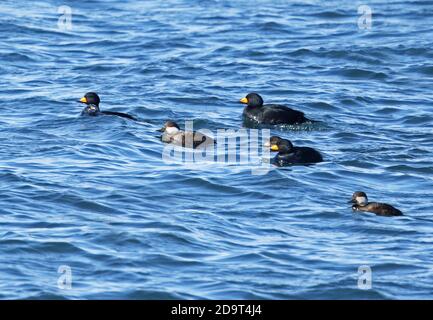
point(244, 100)
point(83, 100)
point(274, 147)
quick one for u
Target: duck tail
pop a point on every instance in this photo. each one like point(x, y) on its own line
point(313, 121)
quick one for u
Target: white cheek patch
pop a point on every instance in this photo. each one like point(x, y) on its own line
point(361, 200)
point(171, 130)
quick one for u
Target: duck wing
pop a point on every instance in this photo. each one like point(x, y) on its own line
point(382, 209)
point(197, 139)
point(299, 155)
point(308, 155)
point(279, 114)
point(119, 114)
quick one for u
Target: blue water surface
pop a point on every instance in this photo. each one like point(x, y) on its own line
point(95, 195)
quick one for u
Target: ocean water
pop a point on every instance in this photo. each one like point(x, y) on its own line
point(91, 200)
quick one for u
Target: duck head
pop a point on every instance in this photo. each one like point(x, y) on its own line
point(253, 100)
point(359, 198)
point(170, 127)
point(91, 100)
point(278, 144)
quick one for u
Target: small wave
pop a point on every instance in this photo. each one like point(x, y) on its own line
point(424, 69)
point(338, 14)
point(355, 73)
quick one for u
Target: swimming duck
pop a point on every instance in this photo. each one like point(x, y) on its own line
point(272, 114)
point(288, 154)
point(91, 99)
point(360, 203)
point(171, 133)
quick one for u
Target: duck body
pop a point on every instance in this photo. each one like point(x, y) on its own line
point(92, 109)
point(273, 114)
point(270, 114)
point(380, 209)
point(118, 114)
point(297, 155)
point(171, 133)
point(360, 203)
point(289, 155)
